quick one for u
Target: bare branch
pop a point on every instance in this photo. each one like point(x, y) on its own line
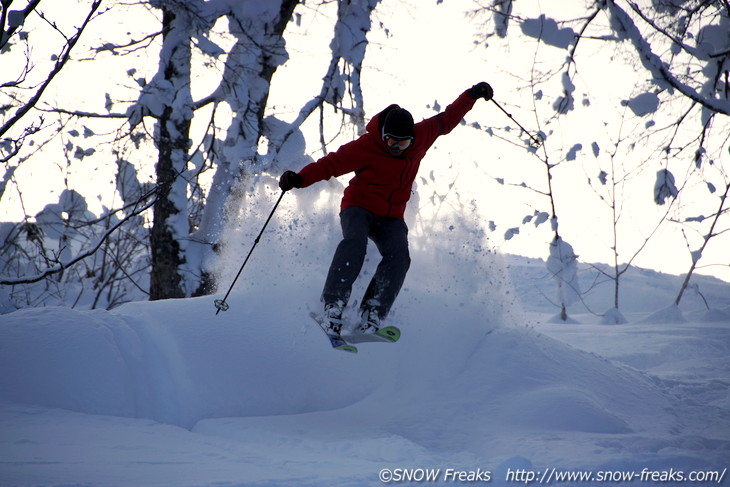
point(706, 240)
point(61, 266)
point(62, 60)
point(82, 114)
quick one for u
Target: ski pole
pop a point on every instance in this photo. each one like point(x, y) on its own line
point(221, 304)
point(535, 140)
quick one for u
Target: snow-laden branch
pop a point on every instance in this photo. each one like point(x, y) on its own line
point(692, 51)
point(13, 20)
point(624, 25)
point(61, 266)
point(349, 43)
point(84, 114)
point(60, 63)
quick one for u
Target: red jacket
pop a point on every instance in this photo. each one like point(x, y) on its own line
point(382, 182)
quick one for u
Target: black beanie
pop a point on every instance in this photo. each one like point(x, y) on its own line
point(398, 123)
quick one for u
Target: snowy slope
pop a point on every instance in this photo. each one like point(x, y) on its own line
point(168, 393)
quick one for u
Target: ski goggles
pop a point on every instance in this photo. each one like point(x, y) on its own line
point(400, 143)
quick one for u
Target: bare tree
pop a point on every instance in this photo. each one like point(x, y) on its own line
point(39, 254)
point(610, 185)
point(713, 232)
point(19, 94)
point(679, 109)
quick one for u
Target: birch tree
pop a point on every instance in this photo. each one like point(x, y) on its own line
point(198, 176)
point(182, 257)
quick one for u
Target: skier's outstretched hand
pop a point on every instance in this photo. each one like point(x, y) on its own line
point(481, 90)
point(290, 180)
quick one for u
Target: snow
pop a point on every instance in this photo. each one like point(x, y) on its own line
point(573, 152)
point(643, 104)
point(548, 31)
point(354, 23)
point(665, 187)
point(168, 393)
point(566, 103)
point(563, 267)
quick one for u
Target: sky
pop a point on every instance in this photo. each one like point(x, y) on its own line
point(422, 56)
point(428, 53)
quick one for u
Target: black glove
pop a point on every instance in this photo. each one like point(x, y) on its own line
point(290, 180)
point(481, 90)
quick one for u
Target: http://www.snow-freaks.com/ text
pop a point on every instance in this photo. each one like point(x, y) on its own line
point(550, 476)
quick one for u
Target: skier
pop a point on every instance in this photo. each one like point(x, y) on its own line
point(385, 161)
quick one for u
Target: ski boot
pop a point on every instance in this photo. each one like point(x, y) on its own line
point(332, 321)
point(369, 322)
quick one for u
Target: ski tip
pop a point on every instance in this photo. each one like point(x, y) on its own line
point(389, 333)
point(339, 344)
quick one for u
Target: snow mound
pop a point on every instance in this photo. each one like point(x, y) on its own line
point(263, 400)
point(257, 395)
point(713, 315)
point(177, 363)
point(670, 314)
point(173, 362)
point(546, 408)
point(613, 317)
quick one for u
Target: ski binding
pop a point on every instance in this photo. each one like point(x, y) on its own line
point(337, 342)
point(387, 334)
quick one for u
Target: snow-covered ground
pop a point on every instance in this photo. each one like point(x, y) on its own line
point(482, 387)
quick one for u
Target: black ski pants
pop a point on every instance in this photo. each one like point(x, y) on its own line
point(390, 235)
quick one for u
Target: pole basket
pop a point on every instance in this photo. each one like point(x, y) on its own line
point(220, 305)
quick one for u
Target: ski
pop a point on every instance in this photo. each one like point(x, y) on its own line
point(388, 334)
point(337, 342)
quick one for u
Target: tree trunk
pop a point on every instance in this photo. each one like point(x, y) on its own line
point(173, 128)
point(252, 62)
point(165, 280)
